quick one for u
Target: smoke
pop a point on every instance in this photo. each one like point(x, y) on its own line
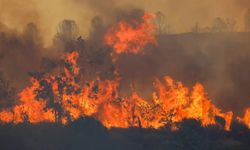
point(219, 61)
point(181, 15)
point(20, 53)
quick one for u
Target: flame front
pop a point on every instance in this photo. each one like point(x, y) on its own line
point(60, 98)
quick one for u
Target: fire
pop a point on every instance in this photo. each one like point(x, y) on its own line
point(131, 38)
point(30, 109)
point(246, 118)
point(61, 98)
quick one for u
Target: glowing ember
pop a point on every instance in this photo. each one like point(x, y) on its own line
point(128, 38)
point(60, 98)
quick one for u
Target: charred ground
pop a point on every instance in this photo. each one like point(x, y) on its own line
point(89, 134)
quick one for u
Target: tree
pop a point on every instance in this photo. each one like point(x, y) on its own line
point(67, 32)
point(7, 93)
point(196, 28)
point(97, 30)
point(67, 29)
point(219, 25)
point(31, 35)
point(161, 23)
point(247, 20)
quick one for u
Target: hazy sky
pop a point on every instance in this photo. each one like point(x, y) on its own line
point(181, 14)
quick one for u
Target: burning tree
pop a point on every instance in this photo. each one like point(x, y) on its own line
point(60, 98)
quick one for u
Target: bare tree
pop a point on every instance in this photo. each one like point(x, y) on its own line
point(67, 32)
point(68, 29)
point(97, 30)
point(31, 35)
point(196, 28)
point(7, 93)
point(219, 25)
point(163, 26)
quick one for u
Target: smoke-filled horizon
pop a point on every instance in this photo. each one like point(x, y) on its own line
point(180, 15)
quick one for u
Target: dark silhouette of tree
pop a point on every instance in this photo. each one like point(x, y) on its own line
point(97, 29)
point(161, 23)
point(31, 35)
point(97, 58)
point(46, 92)
point(7, 93)
point(196, 28)
point(67, 32)
point(219, 25)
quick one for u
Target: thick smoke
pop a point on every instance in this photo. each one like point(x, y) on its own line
point(20, 53)
point(181, 15)
point(219, 61)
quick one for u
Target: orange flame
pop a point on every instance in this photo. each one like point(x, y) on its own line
point(246, 118)
point(128, 38)
point(61, 98)
point(66, 100)
point(30, 109)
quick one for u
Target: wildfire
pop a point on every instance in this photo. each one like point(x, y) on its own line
point(60, 98)
point(131, 38)
point(30, 109)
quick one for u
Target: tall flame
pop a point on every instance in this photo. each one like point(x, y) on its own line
point(30, 109)
point(60, 98)
point(131, 38)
